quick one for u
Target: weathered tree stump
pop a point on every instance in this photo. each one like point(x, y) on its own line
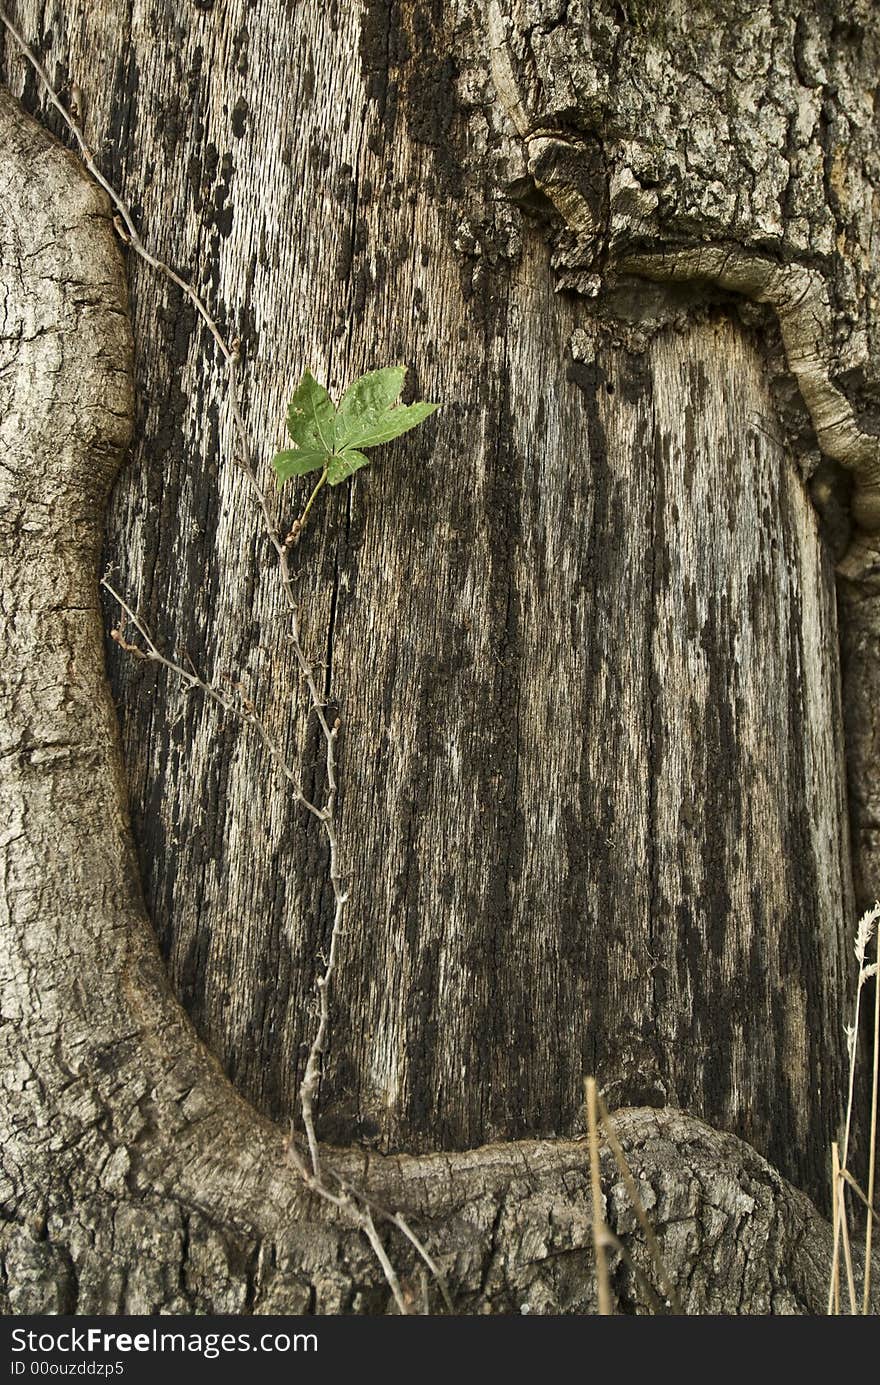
point(580, 631)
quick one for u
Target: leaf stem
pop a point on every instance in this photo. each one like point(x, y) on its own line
point(311, 500)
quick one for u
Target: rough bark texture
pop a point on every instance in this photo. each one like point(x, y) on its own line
point(582, 635)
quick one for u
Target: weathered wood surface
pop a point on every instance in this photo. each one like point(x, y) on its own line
point(580, 629)
point(133, 1178)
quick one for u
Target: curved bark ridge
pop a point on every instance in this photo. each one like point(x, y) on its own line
point(133, 1177)
point(707, 145)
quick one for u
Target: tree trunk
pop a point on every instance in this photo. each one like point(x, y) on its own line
point(580, 632)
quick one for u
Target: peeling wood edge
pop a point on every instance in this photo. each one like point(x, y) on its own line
point(798, 294)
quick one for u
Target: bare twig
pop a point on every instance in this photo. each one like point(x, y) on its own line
point(368, 1226)
point(351, 1193)
point(872, 1157)
point(836, 1194)
point(243, 709)
point(646, 1286)
point(847, 1250)
point(426, 1293)
point(666, 1283)
point(431, 1263)
point(360, 1214)
point(857, 1189)
point(128, 228)
point(600, 1231)
point(840, 1174)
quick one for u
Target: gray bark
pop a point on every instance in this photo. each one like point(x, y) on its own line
point(582, 637)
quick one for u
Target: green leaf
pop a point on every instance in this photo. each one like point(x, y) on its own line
point(331, 438)
point(297, 461)
point(344, 464)
point(392, 423)
point(366, 401)
point(366, 417)
point(311, 418)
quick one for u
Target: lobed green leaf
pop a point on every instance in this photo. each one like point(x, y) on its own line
point(391, 424)
point(334, 439)
point(311, 417)
point(365, 402)
point(344, 464)
point(298, 461)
